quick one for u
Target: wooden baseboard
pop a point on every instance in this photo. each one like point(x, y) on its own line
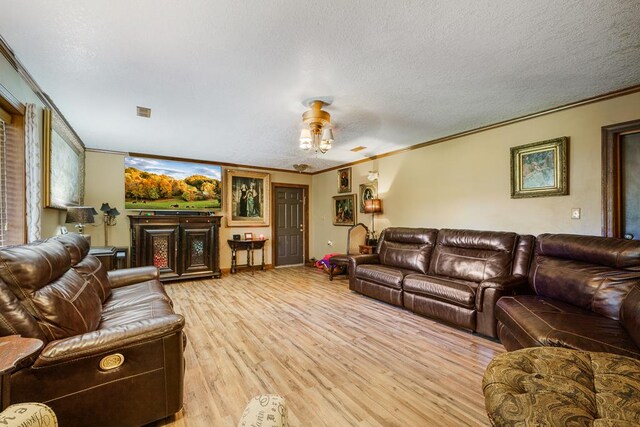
point(243, 269)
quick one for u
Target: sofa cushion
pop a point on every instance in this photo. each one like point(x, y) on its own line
point(473, 255)
point(29, 267)
point(408, 248)
point(67, 306)
point(595, 287)
point(614, 253)
point(152, 309)
point(63, 302)
point(77, 246)
point(542, 321)
point(92, 270)
point(132, 295)
point(382, 274)
point(457, 292)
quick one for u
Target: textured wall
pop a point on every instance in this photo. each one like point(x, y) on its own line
point(464, 183)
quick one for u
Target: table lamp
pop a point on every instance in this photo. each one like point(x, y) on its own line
point(80, 215)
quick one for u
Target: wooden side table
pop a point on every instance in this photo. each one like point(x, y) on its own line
point(106, 255)
point(249, 245)
point(13, 350)
point(367, 249)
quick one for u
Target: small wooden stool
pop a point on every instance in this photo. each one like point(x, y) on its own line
point(341, 260)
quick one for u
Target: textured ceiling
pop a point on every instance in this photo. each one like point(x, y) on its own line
point(225, 79)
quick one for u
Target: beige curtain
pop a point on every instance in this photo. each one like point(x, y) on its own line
point(33, 173)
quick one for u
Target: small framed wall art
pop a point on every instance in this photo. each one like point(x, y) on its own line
point(344, 212)
point(344, 180)
point(368, 191)
point(540, 169)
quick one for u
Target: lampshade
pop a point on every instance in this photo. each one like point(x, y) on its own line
point(80, 215)
point(113, 212)
point(105, 207)
point(305, 139)
point(94, 211)
point(373, 206)
point(327, 135)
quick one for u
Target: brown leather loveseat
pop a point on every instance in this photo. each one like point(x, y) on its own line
point(587, 297)
point(113, 352)
point(456, 276)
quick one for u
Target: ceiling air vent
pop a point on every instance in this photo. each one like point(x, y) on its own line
point(144, 112)
point(358, 148)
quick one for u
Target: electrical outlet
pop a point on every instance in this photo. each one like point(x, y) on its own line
point(330, 243)
point(575, 213)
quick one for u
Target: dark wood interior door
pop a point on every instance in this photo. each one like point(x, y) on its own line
point(621, 180)
point(630, 186)
point(289, 223)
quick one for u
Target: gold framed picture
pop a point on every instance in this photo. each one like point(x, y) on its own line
point(344, 180)
point(368, 191)
point(247, 199)
point(63, 164)
point(344, 212)
point(540, 169)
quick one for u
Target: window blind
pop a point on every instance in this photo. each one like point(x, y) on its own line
point(12, 182)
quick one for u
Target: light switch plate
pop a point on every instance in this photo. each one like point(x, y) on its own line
point(575, 213)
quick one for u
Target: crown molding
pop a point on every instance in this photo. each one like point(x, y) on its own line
point(591, 100)
point(11, 57)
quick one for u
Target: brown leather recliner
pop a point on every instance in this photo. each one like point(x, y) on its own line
point(587, 297)
point(113, 352)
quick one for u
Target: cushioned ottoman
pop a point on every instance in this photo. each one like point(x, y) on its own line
point(550, 386)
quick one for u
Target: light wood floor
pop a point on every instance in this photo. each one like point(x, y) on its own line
point(338, 358)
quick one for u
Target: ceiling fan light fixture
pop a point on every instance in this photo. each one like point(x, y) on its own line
point(316, 134)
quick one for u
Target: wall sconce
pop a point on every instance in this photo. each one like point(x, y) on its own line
point(109, 220)
point(372, 176)
point(373, 206)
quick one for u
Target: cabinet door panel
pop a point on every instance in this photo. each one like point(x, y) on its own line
point(160, 249)
point(197, 249)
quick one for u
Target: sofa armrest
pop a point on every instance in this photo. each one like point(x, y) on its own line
point(130, 276)
point(109, 339)
point(630, 313)
point(504, 285)
point(356, 260)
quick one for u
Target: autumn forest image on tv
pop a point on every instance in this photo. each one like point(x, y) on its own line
point(169, 184)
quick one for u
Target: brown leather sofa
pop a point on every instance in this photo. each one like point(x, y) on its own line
point(452, 275)
point(587, 297)
point(113, 352)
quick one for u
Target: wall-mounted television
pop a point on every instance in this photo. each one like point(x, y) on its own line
point(159, 184)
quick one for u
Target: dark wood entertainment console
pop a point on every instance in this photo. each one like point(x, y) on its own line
point(181, 246)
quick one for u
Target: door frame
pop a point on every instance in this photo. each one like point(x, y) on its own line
point(305, 212)
point(611, 211)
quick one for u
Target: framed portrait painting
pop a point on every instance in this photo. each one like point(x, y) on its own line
point(540, 169)
point(344, 212)
point(63, 164)
point(248, 199)
point(344, 180)
point(367, 191)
